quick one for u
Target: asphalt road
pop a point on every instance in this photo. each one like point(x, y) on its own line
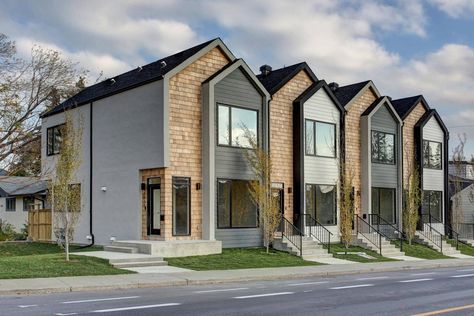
point(424, 292)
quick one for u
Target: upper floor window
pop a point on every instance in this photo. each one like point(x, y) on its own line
point(10, 204)
point(432, 154)
point(53, 135)
point(320, 139)
point(233, 124)
point(383, 147)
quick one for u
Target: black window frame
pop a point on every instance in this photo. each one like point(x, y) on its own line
point(230, 211)
point(173, 228)
point(50, 146)
point(429, 165)
point(335, 201)
point(378, 159)
point(229, 106)
point(395, 218)
point(315, 148)
point(430, 193)
point(7, 200)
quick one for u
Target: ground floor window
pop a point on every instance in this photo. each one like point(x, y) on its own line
point(433, 204)
point(235, 208)
point(10, 204)
point(321, 203)
point(181, 206)
point(383, 203)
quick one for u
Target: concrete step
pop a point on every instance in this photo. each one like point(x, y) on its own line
point(316, 257)
point(139, 264)
point(121, 249)
point(136, 259)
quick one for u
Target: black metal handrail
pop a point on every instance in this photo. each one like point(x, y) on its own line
point(292, 234)
point(387, 229)
point(449, 231)
point(317, 231)
point(368, 232)
point(430, 233)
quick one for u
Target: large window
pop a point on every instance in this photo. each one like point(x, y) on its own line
point(10, 204)
point(433, 204)
point(320, 139)
point(181, 206)
point(53, 135)
point(235, 208)
point(432, 153)
point(233, 122)
point(321, 203)
point(383, 203)
point(383, 147)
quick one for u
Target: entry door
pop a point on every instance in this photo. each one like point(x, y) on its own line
point(278, 192)
point(154, 208)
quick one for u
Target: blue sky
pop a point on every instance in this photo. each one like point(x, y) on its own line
point(407, 47)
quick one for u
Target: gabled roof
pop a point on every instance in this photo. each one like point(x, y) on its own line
point(379, 102)
point(404, 106)
point(346, 93)
point(279, 77)
point(131, 79)
point(427, 116)
point(315, 87)
point(17, 186)
point(458, 184)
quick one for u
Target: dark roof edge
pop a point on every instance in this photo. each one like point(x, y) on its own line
point(427, 116)
point(315, 87)
point(421, 99)
point(301, 66)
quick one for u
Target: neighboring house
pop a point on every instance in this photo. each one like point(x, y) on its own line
point(461, 194)
point(17, 196)
point(162, 155)
point(463, 169)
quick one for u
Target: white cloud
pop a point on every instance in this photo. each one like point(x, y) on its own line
point(455, 8)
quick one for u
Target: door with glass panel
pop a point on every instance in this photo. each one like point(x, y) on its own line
point(154, 206)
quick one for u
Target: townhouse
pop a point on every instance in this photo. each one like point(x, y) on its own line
point(163, 157)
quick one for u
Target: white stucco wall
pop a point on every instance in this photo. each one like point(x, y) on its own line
point(18, 218)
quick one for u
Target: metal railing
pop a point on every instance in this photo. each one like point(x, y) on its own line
point(292, 234)
point(387, 229)
point(430, 233)
point(368, 232)
point(449, 231)
point(317, 230)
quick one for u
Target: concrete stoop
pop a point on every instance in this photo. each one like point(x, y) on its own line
point(311, 249)
point(121, 249)
point(447, 250)
point(138, 262)
point(388, 249)
point(168, 248)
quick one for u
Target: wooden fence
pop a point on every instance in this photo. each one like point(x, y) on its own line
point(39, 224)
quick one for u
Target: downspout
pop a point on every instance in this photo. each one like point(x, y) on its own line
point(402, 177)
point(90, 180)
point(447, 217)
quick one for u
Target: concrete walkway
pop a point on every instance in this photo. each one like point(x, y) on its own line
point(110, 282)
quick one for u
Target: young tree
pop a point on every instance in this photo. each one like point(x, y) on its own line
point(458, 159)
point(260, 189)
point(413, 197)
point(65, 196)
point(27, 88)
point(346, 206)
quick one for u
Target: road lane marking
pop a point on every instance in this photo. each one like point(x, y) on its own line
point(263, 295)
point(133, 308)
point(446, 310)
point(65, 314)
point(223, 290)
point(462, 276)
point(465, 270)
point(350, 286)
point(415, 280)
point(101, 300)
point(425, 273)
point(308, 283)
point(373, 278)
point(26, 306)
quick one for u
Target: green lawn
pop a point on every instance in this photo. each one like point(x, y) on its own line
point(240, 258)
point(42, 260)
point(465, 249)
point(335, 248)
point(421, 251)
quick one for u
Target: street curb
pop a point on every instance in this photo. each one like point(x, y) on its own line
point(188, 280)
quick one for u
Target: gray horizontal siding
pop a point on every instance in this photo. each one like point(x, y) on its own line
point(243, 237)
point(236, 90)
point(433, 179)
point(385, 175)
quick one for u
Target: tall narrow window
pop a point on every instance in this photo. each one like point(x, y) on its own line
point(383, 147)
point(181, 206)
point(236, 125)
point(321, 203)
point(432, 154)
point(433, 204)
point(10, 204)
point(53, 140)
point(235, 207)
point(383, 203)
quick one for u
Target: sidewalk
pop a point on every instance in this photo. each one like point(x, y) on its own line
point(97, 283)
